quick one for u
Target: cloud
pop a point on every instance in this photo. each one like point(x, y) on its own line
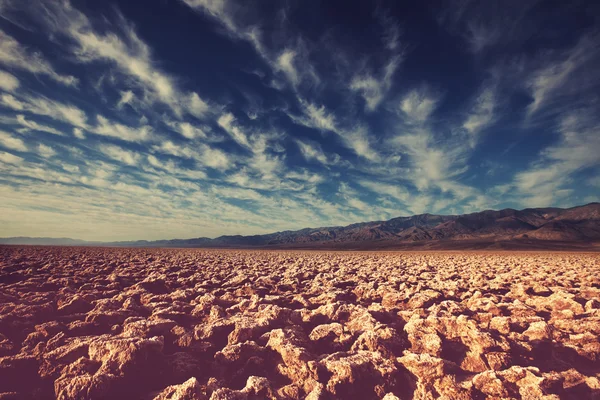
point(214, 158)
point(28, 124)
point(8, 158)
point(13, 55)
point(188, 130)
point(119, 45)
point(319, 117)
point(374, 89)
point(196, 106)
point(119, 154)
point(285, 63)
point(8, 82)
point(395, 191)
point(40, 105)
point(45, 151)
point(108, 128)
point(126, 98)
point(233, 16)
point(355, 136)
point(78, 133)
point(485, 25)
point(434, 163)
point(11, 142)
point(391, 29)
point(418, 104)
point(168, 166)
point(226, 121)
point(558, 74)
point(203, 154)
point(312, 151)
point(482, 114)
point(549, 177)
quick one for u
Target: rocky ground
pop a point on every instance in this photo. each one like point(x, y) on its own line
point(97, 323)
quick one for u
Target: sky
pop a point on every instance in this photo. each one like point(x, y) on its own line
point(159, 119)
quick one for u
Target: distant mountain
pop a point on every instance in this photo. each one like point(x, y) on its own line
point(576, 228)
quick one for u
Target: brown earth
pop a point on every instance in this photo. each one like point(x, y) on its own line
point(100, 323)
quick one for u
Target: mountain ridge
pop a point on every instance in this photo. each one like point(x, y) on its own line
point(551, 226)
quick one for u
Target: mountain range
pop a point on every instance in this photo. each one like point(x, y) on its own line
point(576, 228)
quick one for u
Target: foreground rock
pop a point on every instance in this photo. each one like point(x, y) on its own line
point(93, 323)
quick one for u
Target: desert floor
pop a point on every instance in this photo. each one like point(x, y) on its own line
point(94, 323)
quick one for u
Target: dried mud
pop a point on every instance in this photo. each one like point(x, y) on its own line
point(97, 323)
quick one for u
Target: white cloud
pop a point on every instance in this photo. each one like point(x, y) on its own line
point(11, 142)
point(214, 158)
point(395, 191)
point(45, 151)
point(109, 128)
point(189, 131)
point(13, 55)
point(305, 176)
point(312, 151)
point(78, 133)
point(481, 36)
point(374, 89)
point(418, 105)
point(433, 163)
point(37, 127)
point(8, 82)
point(355, 137)
point(43, 106)
point(391, 29)
point(285, 63)
point(196, 106)
point(119, 154)
point(203, 154)
point(548, 179)
point(8, 158)
point(122, 47)
point(168, 165)
point(559, 74)
point(226, 121)
point(482, 114)
point(126, 98)
point(319, 117)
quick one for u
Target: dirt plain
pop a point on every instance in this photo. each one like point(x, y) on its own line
point(102, 323)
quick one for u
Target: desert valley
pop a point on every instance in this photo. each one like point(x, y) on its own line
point(116, 323)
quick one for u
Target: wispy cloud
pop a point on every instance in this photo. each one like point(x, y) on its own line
point(559, 73)
point(312, 151)
point(8, 158)
point(45, 151)
point(355, 136)
point(227, 122)
point(14, 55)
point(419, 104)
point(122, 47)
point(119, 154)
point(43, 106)
point(105, 127)
point(12, 142)
point(8, 81)
point(32, 125)
point(482, 114)
point(549, 178)
point(372, 88)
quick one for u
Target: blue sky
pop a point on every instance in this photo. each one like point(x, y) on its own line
point(173, 119)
